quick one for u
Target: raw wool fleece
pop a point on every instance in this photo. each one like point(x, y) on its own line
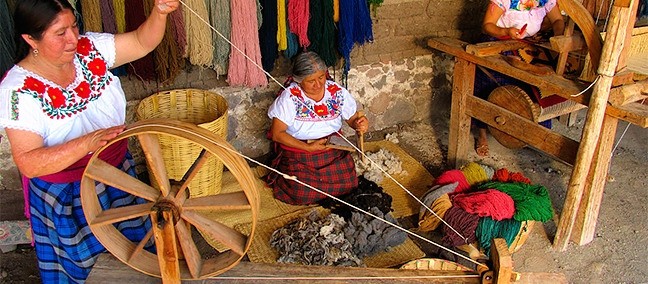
point(369, 235)
point(314, 241)
point(368, 195)
point(383, 159)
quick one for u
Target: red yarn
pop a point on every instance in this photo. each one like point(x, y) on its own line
point(453, 176)
point(462, 221)
point(298, 12)
point(503, 175)
point(494, 203)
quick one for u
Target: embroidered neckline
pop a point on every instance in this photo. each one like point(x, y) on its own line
point(326, 108)
point(527, 5)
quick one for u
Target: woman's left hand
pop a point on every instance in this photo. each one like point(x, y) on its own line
point(166, 6)
point(361, 124)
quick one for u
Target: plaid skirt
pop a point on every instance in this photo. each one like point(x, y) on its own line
point(331, 171)
point(65, 247)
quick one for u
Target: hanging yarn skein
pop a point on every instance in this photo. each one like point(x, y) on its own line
point(176, 19)
point(267, 34)
point(282, 39)
point(166, 56)
point(321, 30)
point(143, 68)
point(298, 13)
point(108, 16)
point(355, 26)
point(246, 37)
point(200, 48)
point(219, 13)
point(120, 15)
point(90, 9)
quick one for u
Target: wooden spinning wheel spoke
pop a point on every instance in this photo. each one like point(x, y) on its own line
point(219, 232)
point(153, 153)
point(140, 246)
point(103, 172)
point(189, 249)
point(114, 215)
point(202, 158)
point(227, 201)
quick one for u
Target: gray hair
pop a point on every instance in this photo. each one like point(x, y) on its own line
point(306, 64)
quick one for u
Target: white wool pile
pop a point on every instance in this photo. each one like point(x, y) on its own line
point(392, 137)
point(384, 159)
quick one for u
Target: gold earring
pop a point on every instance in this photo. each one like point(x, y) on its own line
point(35, 52)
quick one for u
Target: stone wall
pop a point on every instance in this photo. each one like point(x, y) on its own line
point(395, 78)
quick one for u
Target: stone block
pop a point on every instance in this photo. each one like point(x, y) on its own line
point(401, 10)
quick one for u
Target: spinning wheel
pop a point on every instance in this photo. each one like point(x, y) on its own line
point(169, 208)
point(517, 101)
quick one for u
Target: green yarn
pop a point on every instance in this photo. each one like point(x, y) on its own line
point(489, 229)
point(532, 202)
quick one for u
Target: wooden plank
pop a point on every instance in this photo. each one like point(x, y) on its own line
point(463, 83)
point(537, 136)
point(626, 94)
point(567, 43)
point(591, 203)
point(165, 245)
point(494, 47)
point(635, 113)
point(502, 261)
point(592, 128)
point(108, 269)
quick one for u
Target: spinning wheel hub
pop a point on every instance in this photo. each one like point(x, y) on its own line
point(166, 205)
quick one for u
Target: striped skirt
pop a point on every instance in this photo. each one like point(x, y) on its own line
point(65, 247)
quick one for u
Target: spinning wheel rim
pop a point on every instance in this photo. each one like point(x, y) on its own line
point(146, 262)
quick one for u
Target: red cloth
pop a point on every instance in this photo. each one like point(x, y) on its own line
point(331, 171)
point(491, 202)
point(112, 155)
point(453, 176)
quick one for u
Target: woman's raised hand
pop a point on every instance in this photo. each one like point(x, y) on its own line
point(166, 6)
point(361, 124)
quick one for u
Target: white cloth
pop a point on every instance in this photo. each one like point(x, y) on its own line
point(295, 109)
point(518, 16)
point(95, 99)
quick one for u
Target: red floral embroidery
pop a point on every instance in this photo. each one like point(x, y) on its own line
point(84, 46)
point(296, 92)
point(34, 84)
point(333, 88)
point(97, 67)
point(56, 97)
point(321, 109)
point(83, 90)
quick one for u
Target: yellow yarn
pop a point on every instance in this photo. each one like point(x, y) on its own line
point(282, 32)
point(428, 222)
point(91, 15)
point(474, 173)
point(200, 48)
point(336, 10)
point(120, 15)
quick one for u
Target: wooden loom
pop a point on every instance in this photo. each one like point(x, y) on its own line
point(591, 156)
point(173, 213)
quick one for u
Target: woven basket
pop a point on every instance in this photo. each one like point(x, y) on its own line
point(203, 108)
point(434, 264)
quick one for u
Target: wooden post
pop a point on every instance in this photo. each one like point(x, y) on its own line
point(361, 138)
point(463, 83)
point(612, 47)
point(166, 244)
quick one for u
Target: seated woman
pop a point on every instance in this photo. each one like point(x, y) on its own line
point(312, 107)
point(515, 19)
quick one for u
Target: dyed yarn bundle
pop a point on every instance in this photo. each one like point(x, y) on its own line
point(482, 204)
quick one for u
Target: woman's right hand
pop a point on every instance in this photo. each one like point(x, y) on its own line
point(99, 138)
point(317, 145)
point(514, 33)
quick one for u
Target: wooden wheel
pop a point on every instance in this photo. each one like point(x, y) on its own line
point(517, 101)
point(170, 209)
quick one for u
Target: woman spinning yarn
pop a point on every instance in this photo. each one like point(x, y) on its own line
point(312, 107)
point(511, 19)
point(58, 104)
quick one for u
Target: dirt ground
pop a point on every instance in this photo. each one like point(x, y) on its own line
point(618, 253)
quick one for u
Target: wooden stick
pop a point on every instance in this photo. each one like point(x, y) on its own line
point(592, 130)
point(361, 138)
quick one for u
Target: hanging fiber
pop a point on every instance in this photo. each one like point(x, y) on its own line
point(489, 229)
point(336, 10)
point(245, 36)
point(91, 15)
point(143, 68)
point(282, 34)
point(321, 30)
point(532, 202)
point(462, 221)
point(108, 16)
point(487, 203)
point(7, 45)
point(453, 176)
point(354, 27)
point(504, 175)
point(427, 221)
point(362, 29)
point(200, 49)
point(166, 56)
point(120, 15)
point(268, 34)
point(79, 17)
point(219, 15)
point(176, 20)
point(293, 45)
point(474, 173)
point(435, 192)
point(298, 20)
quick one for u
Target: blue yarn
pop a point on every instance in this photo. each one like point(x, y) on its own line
point(355, 26)
point(268, 34)
point(293, 45)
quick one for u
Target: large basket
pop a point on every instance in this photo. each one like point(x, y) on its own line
point(203, 108)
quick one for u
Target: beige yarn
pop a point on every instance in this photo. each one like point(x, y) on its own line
point(200, 49)
point(91, 15)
